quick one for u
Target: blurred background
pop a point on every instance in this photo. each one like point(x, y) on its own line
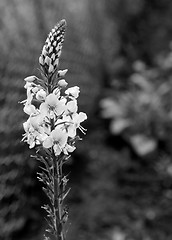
point(119, 52)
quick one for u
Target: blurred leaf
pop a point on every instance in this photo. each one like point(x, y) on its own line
point(110, 108)
point(142, 144)
point(141, 82)
point(119, 125)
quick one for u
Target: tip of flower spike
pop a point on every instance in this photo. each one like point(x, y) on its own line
point(63, 23)
point(51, 51)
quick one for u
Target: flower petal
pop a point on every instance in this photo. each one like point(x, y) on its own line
point(48, 142)
point(51, 100)
point(72, 106)
point(43, 109)
point(60, 136)
point(29, 109)
point(73, 91)
point(57, 149)
point(82, 116)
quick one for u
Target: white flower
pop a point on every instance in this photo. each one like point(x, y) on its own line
point(73, 92)
point(30, 135)
point(71, 107)
point(52, 106)
point(26, 125)
point(36, 130)
point(77, 118)
point(57, 140)
point(36, 121)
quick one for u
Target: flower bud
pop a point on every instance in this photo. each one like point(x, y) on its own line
point(62, 73)
point(47, 60)
point(59, 51)
point(53, 56)
point(44, 51)
point(51, 68)
point(29, 109)
point(62, 83)
point(56, 91)
point(41, 62)
point(30, 78)
point(51, 49)
point(56, 62)
point(41, 95)
point(35, 89)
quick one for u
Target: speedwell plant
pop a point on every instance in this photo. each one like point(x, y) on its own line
point(51, 127)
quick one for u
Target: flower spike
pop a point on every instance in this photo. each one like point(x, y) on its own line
point(51, 51)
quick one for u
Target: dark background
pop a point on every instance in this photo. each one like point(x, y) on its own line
point(119, 53)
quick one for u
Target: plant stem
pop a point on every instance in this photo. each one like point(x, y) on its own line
point(57, 204)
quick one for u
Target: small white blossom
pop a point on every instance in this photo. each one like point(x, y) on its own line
point(57, 140)
point(73, 92)
point(52, 106)
point(30, 135)
point(36, 121)
point(77, 118)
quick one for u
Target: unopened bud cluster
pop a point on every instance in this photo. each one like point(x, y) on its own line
point(51, 51)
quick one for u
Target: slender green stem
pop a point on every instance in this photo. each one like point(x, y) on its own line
point(57, 205)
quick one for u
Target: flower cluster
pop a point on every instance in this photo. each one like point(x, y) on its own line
point(53, 118)
point(53, 110)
